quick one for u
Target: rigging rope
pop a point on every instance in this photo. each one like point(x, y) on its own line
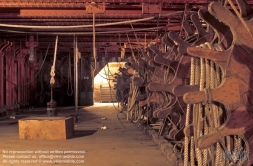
point(52, 74)
point(187, 121)
point(131, 49)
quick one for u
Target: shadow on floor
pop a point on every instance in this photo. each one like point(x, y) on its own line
point(83, 133)
point(13, 123)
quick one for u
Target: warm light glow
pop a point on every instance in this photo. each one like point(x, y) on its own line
point(102, 76)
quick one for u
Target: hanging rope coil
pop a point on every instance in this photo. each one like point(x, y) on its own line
point(52, 73)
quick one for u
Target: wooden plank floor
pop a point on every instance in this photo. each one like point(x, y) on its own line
point(120, 144)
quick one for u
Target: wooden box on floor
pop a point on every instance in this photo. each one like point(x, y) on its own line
point(47, 128)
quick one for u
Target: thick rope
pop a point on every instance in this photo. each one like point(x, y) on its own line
point(199, 117)
point(215, 110)
point(187, 120)
point(52, 74)
point(206, 109)
point(239, 16)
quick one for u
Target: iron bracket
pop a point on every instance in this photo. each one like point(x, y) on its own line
point(95, 7)
point(148, 8)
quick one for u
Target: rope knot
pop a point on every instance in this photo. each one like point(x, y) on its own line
point(52, 74)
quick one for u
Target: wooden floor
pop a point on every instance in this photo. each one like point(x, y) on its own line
point(102, 138)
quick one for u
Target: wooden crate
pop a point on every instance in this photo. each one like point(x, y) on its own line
point(47, 128)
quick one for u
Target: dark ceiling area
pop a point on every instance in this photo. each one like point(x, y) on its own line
point(117, 23)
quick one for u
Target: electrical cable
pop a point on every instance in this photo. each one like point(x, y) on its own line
point(35, 74)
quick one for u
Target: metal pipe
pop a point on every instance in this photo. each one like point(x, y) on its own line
point(94, 53)
point(76, 66)
point(89, 26)
point(94, 43)
point(75, 77)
